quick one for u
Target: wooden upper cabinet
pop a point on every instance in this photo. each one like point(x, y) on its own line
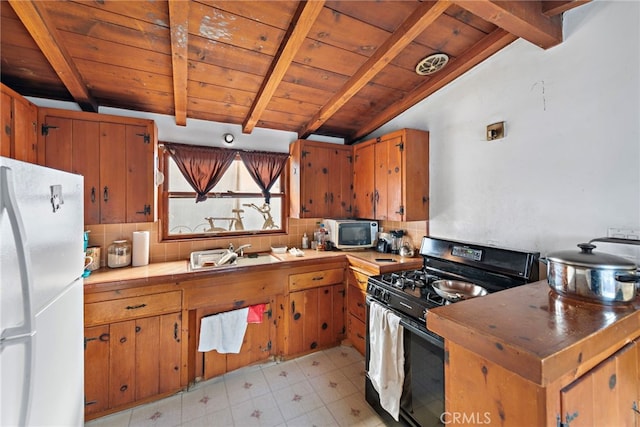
point(19, 117)
point(391, 177)
point(320, 180)
point(116, 156)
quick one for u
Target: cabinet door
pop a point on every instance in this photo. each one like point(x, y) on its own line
point(113, 173)
point(388, 179)
point(140, 174)
point(606, 394)
point(296, 315)
point(255, 346)
point(363, 180)
point(5, 122)
point(96, 369)
point(58, 147)
point(170, 346)
point(339, 183)
point(314, 181)
point(85, 160)
point(122, 358)
point(147, 357)
point(19, 119)
point(25, 122)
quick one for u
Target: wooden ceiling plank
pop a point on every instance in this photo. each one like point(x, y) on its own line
point(179, 28)
point(476, 54)
point(301, 24)
point(556, 7)
point(36, 20)
point(524, 19)
point(413, 26)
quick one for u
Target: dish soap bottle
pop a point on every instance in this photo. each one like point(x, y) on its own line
point(305, 241)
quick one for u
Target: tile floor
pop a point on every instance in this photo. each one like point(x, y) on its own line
point(321, 389)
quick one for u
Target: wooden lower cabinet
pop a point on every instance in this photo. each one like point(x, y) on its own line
point(315, 312)
point(606, 395)
point(317, 319)
point(357, 310)
point(135, 358)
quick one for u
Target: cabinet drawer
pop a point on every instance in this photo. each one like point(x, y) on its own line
point(315, 279)
point(131, 308)
point(356, 302)
point(357, 333)
point(358, 279)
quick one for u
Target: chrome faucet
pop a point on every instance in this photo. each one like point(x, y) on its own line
point(240, 250)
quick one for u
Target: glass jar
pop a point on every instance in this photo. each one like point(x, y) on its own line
point(119, 254)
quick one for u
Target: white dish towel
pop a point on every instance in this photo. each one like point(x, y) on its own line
point(386, 362)
point(223, 332)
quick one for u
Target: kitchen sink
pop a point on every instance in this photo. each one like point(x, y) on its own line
point(209, 260)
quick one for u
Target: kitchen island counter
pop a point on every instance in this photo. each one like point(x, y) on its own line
point(516, 352)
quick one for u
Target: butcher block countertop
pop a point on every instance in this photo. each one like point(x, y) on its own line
point(176, 271)
point(535, 333)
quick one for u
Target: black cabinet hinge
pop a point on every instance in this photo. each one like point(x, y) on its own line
point(400, 146)
point(401, 210)
point(45, 129)
point(304, 153)
point(145, 211)
point(146, 137)
point(350, 158)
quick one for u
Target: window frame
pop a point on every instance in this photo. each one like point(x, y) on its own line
point(165, 195)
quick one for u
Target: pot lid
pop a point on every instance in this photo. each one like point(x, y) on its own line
point(585, 257)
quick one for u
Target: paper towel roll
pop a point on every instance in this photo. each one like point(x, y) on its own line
point(140, 248)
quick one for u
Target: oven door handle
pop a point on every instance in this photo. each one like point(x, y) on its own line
point(422, 333)
point(411, 325)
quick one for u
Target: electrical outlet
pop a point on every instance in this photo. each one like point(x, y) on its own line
point(624, 233)
point(495, 131)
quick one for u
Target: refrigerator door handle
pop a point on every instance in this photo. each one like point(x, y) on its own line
point(23, 332)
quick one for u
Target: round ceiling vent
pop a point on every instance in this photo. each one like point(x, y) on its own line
point(431, 64)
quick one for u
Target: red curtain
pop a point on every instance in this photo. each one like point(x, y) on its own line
point(265, 168)
point(202, 167)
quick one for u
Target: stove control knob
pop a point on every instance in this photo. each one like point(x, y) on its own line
point(386, 296)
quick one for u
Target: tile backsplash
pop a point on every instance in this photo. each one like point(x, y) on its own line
point(104, 235)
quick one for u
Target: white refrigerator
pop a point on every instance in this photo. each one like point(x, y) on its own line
point(41, 296)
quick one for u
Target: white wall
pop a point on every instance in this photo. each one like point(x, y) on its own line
point(569, 166)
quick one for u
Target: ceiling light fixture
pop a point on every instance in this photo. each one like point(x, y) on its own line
point(431, 64)
point(228, 138)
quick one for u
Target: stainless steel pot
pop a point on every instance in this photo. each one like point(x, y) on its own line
point(598, 277)
point(456, 290)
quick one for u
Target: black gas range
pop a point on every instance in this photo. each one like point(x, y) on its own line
point(495, 269)
point(409, 295)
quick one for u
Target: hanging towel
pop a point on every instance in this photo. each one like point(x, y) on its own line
point(255, 313)
point(386, 363)
point(223, 332)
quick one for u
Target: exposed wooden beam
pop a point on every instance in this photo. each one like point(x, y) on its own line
point(301, 24)
point(521, 18)
point(37, 22)
point(179, 25)
point(556, 7)
point(415, 24)
point(469, 59)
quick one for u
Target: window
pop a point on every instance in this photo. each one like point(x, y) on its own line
point(235, 206)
